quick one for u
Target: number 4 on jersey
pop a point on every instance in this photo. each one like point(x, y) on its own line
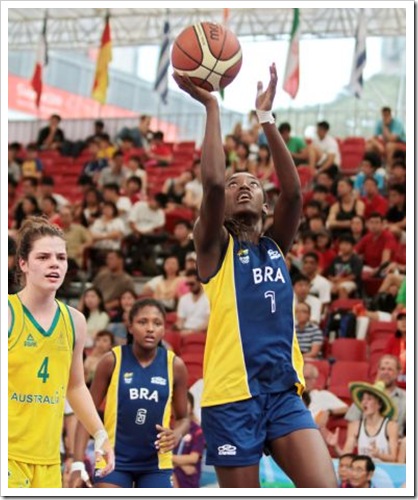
point(43, 370)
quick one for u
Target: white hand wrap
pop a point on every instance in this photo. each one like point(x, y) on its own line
point(99, 438)
point(80, 466)
point(264, 116)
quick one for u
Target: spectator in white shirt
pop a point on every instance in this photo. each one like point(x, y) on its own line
point(327, 152)
point(111, 192)
point(194, 189)
point(320, 286)
point(301, 286)
point(193, 307)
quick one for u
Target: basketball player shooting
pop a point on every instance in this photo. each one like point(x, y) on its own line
point(253, 377)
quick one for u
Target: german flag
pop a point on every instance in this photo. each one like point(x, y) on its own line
point(101, 77)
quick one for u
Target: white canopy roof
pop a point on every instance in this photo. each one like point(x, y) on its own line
point(82, 28)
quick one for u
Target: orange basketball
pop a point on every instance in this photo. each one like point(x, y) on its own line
point(209, 53)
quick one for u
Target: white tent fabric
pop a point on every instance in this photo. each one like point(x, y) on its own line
point(82, 28)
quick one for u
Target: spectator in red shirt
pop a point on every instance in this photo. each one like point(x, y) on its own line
point(160, 153)
point(373, 201)
point(323, 247)
point(377, 246)
point(396, 346)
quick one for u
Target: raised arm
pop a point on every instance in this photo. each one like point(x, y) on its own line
point(209, 232)
point(289, 204)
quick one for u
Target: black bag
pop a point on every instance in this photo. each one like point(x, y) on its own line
point(341, 324)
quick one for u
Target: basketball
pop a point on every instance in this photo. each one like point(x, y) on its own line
point(209, 53)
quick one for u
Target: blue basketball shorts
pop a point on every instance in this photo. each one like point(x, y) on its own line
point(236, 433)
point(130, 479)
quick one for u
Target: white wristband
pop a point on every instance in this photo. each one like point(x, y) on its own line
point(80, 467)
point(264, 116)
point(77, 466)
point(99, 438)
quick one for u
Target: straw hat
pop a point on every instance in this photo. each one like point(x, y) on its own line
point(357, 389)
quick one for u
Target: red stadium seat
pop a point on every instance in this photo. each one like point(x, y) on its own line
point(344, 372)
point(323, 367)
point(347, 349)
point(174, 339)
point(193, 342)
point(380, 329)
point(194, 364)
point(378, 345)
point(346, 304)
point(371, 285)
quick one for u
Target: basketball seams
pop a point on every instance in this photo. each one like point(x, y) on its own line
point(219, 59)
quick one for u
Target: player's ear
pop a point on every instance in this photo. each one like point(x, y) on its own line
point(265, 210)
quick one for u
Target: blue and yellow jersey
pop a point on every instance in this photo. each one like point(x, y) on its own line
point(39, 365)
point(251, 344)
point(137, 399)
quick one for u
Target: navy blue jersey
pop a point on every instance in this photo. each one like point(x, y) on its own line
point(137, 399)
point(251, 345)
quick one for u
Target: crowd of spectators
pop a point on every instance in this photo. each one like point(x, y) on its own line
point(351, 241)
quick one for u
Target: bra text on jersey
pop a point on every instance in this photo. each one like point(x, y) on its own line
point(267, 274)
point(143, 393)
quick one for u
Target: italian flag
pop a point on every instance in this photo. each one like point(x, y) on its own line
point(101, 77)
point(41, 61)
point(291, 77)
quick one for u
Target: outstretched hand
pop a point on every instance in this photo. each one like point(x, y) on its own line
point(264, 99)
point(199, 94)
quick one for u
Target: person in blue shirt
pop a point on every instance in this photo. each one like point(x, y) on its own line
point(370, 165)
point(389, 136)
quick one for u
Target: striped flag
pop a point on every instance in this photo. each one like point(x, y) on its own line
point(359, 60)
point(41, 62)
point(161, 81)
point(101, 77)
point(291, 76)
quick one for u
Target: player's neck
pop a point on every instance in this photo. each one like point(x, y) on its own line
point(35, 299)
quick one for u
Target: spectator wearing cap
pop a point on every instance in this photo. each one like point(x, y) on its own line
point(375, 434)
point(396, 345)
point(369, 167)
point(388, 371)
point(361, 472)
point(373, 201)
point(345, 270)
point(377, 246)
